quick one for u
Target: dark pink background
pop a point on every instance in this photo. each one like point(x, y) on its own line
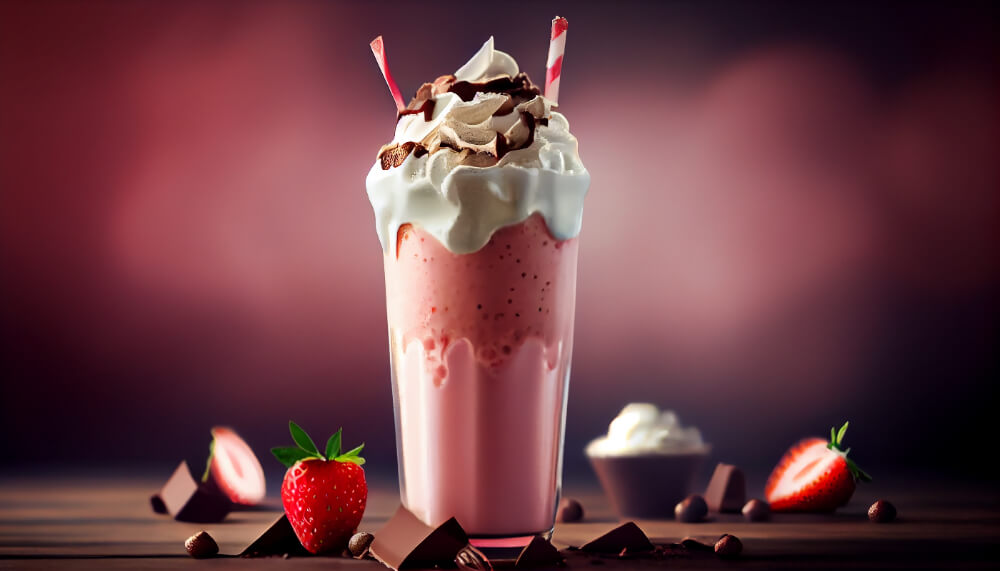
point(792, 221)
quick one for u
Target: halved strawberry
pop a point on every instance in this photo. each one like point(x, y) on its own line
point(233, 468)
point(814, 476)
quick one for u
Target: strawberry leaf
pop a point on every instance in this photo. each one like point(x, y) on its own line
point(289, 455)
point(352, 456)
point(333, 445)
point(833, 436)
point(208, 463)
point(840, 434)
point(302, 439)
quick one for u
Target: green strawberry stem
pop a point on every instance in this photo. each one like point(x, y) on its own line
point(305, 449)
point(837, 445)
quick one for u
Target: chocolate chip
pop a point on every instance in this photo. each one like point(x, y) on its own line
point(201, 545)
point(882, 511)
point(691, 509)
point(570, 510)
point(359, 543)
point(757, 510)
point(728, 546)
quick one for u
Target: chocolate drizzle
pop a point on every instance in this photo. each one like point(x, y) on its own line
point(518, 87)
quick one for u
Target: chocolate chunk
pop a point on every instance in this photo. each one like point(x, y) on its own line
point(757, 510)
point(359, 543)
point(156, 502)
point(201, 545)
point(538, 553)
point(570, 510)
point(727, 490)
point(406, 542)
point(186, 500)
point(691, 509)
point(426, 107)
point(882, 511)
point(392, 156)
point(627, 536)
point(728, 546)
point(278, 539)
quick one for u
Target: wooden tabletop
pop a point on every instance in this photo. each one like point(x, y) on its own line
point(106, 523)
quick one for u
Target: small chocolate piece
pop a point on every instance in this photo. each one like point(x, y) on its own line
point(406, 542)
point(278, 539)
point(882, 511)
point(757, 510)
point(359, 544)
point(691, 509)
point(727, 490)
point(626, 536)
point(156, 502)
point(538, 553)
point(472, 559)
point(201, 545)
point(391, 156)
point(186, 500)
point(728, 546)
point(569, 511)
point(692, 544)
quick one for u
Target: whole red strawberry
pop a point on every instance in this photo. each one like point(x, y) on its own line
point(814, 476)
point(324, 495)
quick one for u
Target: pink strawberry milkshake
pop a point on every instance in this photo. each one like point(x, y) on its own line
point(478, 203)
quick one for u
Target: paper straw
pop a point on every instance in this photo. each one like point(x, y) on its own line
point(378, 48)
point(553, 67)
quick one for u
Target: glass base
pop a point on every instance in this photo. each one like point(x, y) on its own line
point(504, 550)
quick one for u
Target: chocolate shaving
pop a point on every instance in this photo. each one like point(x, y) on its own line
point(393, 155)
point(427, 108)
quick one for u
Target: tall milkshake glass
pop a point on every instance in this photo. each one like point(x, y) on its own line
point(478, 204)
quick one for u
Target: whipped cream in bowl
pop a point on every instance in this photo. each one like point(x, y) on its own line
point(641, 428)
point(647, 461)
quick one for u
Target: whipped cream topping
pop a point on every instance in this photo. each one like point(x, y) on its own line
point(640, 428)
point(471, 166)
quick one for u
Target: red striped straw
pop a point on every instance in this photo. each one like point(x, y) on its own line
point(378, 48)
point(557, 47)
